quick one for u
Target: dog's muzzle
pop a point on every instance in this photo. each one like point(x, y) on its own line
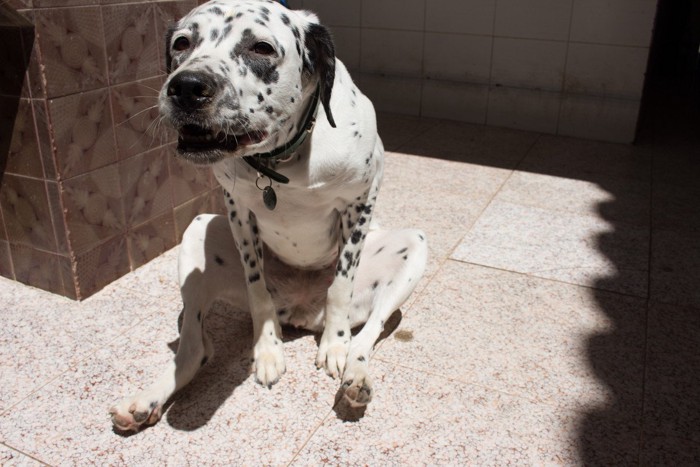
point(191, 95)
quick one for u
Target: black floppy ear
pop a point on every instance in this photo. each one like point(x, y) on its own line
point(168, 57)
point(320, 59)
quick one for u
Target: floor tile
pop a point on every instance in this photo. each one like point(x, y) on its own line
point(11, 458)
point(523, 335)
point(667, 450)
point(628, 203)
point(223, 414)
point(476, 144)
point(422, 419)
point(396, 130)
point(443, 205)
point(157, 278)
point(573, 248)
point(672, 386)
point(675, 275)
point(45, 334)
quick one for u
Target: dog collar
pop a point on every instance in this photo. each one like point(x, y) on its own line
point(289, 147)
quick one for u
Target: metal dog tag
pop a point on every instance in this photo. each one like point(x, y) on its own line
point(269, 198)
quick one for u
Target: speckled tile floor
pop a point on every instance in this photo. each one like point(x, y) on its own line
point(557, 324)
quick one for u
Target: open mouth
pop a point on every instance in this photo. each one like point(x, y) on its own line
point(196, 139)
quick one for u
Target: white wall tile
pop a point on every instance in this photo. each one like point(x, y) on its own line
point(458, 57)
point(534, 19)
point(347, 46)
point(619, 22)
point(524, 109)
point(599, 118)
point(455, 101)
point(460, 16)
point(526, 63)
point(606, 70)
point(393, 14)
point(392, 52)
point(398, 95)
point(335, 12)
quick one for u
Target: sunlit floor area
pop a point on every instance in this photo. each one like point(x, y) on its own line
point(558, 323)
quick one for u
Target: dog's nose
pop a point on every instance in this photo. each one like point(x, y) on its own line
point(191, 90)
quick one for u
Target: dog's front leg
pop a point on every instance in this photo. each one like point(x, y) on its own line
point(268, 357)
point(335, 341)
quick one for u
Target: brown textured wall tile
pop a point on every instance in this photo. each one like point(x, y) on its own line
point(137, 125)
point(44, 138)
point(26, 212)
point(35, 73)
point(83, 132)
point(93, 207)
point(101, 265)
point(62, 3)
point(6, 260)
point(146, 190)
point(12, 53)
point(188, 180)
point(132, 52)
point(72, 49)
point(216, 201)
point(40, 269)
point(188, 211)
point(167, 13)
point(151, 239)
point(23, 157)
point(58, 220)
point(3, 232)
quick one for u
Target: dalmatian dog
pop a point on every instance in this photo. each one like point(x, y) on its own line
point(256, 93)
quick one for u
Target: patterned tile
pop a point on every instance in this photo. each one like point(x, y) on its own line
point(146, 188)
point(99, 266)
point(188, 180)
point(45, 138)
point(46, 271)
point(72, 49)
point(131, 43)
point(151, 239)
point(136, 120)
point(6, 260)
point(166, 14)
point(26, 212)
point(24, 157)
point(83, 132)
point(189, 210)
point(93, 207)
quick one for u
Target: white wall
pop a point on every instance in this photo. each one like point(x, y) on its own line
point(571, 67)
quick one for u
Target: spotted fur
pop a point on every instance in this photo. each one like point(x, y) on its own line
point(247, 70)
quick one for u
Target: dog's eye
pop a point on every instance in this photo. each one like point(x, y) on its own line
point(263, 48)
point(181, 43)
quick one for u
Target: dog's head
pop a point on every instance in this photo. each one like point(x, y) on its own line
point(241, 74)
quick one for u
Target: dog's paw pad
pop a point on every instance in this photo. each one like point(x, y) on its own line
point(130, 414)
point(358, 392)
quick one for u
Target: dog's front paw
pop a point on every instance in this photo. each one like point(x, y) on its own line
point(333, 351)
point(357, 385)
point(131, 413)
point(268, 361)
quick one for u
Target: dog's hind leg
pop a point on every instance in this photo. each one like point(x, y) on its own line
point(208, 269)
point(392, 264)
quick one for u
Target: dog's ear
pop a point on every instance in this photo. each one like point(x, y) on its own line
point(320, 59)
point(168, 57)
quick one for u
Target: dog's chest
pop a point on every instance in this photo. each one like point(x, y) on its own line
point(302, 230)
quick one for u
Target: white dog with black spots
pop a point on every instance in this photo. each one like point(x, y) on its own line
point(256, 93)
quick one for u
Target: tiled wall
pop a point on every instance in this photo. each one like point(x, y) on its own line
point(91, 189)
point(570, 67)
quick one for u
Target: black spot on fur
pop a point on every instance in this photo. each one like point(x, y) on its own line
point(375, 284)
point(199, 315)
point(402, 250)
point(285, 18)
point(341, 333)
point(360, 358)
point(204, 361)
point(218, 260)
point(214, 34)
point(254, 277)
point(260, 97)
point(356, 236)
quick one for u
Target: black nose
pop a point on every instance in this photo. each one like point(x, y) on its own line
point(191, 90)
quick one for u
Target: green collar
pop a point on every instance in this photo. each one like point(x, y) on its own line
point(290, 146)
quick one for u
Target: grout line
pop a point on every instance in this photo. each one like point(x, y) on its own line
point(563, 92)
point(24, 453)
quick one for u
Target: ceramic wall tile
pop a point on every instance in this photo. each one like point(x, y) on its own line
point(42, 269)
point(383, 14)
point(455, 101)
point(166, 14)
point(93, 207)
point(391, 52)
point(130, 38)
point(6, 260)
point(187, 179)
point(100, 265)
point(458, 57)
point(458, 16)
point(26, 212)
point(532, 64)
point(335, 12)
point(44, 138)
point(24, 157)
point(137, 125)
point(622, 22)
point(534, 19)
point(189, 210)
point(83, 132)
point(151, 239)
point(72, 49)
point(145, 186)
point(524, 109)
